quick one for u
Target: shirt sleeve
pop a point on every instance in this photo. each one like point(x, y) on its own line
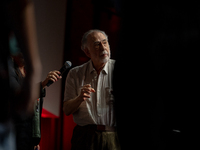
point(70, 86)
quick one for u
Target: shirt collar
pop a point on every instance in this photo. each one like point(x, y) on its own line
point(104, 70)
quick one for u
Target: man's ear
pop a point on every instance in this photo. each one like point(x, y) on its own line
point(87, 52)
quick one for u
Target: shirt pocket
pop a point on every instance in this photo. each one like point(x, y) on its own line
point(109, 95)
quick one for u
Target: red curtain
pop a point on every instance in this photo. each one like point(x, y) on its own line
point(56, 132)
point(68, 126)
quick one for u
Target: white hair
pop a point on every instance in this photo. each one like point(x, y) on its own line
point(84, 38)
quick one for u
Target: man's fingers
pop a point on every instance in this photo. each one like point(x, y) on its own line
point(58, 72)
point(85, 89)
point(92, 90)
point(54, 75)
point(86, 95)
point(53, 78)
point(87, 85)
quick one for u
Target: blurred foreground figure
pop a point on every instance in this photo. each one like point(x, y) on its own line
point(28, 129)
point(17, 16)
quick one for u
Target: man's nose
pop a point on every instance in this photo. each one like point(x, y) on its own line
point(102, 46)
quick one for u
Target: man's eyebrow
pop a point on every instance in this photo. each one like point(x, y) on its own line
point(100, 41)
point(96, 41)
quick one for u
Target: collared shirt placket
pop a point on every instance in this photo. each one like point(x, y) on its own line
point(99, 82)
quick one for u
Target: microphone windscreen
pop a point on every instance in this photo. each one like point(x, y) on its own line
point(68, 64)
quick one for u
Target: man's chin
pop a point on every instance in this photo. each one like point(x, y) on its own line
point(105, 60)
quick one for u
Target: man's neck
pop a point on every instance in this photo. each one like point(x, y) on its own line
point(98, 67)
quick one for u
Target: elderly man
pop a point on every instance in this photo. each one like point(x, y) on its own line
point(88, 96)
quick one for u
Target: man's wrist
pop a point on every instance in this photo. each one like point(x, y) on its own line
point(43, 84)
point(79, 99)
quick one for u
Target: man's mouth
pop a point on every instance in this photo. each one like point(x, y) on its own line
point(104, 54)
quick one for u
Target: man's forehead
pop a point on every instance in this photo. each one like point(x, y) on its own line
point(97, 36)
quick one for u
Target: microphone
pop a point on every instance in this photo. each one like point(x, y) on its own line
point(67, 65)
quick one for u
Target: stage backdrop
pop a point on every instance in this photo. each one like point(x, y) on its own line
point(50, 23)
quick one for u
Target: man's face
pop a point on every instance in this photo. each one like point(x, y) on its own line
point(98, 47)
